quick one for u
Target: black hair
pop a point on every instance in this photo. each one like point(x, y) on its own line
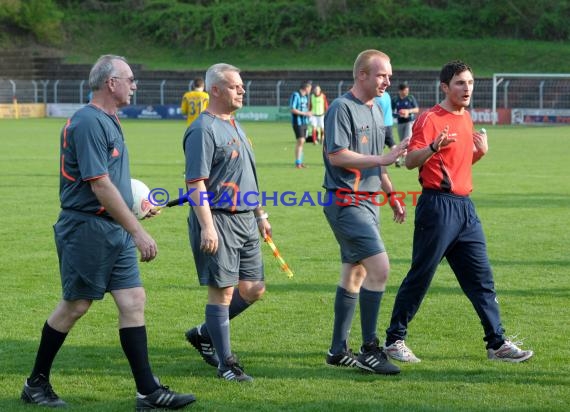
point(451, 69)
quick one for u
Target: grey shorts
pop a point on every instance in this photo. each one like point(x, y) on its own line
point(355, 228)
point(239, 250)
point(96, 255)
point(405, 130)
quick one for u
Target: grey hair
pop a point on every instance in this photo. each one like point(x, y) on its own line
point(102, 70)
point(216, 74)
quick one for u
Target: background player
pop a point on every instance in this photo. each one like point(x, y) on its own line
point(195, 101)
point(318, 106)
point(300, 115)
point(385, 103)
point(406, 109)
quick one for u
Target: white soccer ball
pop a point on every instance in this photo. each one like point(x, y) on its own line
point(141, 204)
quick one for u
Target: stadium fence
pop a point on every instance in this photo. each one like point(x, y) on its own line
point(503, 91)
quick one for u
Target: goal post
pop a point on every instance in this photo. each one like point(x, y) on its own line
point(532, 97)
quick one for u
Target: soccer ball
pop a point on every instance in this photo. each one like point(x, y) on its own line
point(141, 204)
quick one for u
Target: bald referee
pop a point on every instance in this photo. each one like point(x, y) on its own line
point(354, 167)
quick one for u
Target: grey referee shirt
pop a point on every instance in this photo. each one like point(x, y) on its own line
point(218, 152)
point(351, 124)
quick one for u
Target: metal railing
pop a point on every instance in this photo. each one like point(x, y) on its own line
point(519, 93)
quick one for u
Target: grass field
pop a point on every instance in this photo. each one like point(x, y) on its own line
point(522, 192)
point(486, 56)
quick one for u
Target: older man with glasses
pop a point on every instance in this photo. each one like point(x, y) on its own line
point(97, 237)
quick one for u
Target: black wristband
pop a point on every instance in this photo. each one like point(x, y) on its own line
point(432, 148)
point(389, 194)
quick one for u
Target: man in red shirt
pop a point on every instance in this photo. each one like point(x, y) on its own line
point(444, 146)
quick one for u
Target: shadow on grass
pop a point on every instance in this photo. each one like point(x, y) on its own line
point(181, 360)
point(74, 403)
point(271, 370)
point(311, 288)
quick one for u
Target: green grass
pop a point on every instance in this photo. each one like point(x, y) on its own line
point(486, 56)
point(522, 194)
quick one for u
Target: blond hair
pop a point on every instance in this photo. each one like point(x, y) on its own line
point(362, 62)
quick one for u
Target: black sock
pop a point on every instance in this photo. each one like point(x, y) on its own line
point(50, 344)
point(369, 310)
point(134, 344)
point(496, 345)
point(237, 306)
point(344, 306)
point(218, 325)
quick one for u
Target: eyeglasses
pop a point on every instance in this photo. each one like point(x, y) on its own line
point(131, 80)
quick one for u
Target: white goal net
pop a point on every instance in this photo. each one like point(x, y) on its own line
point(541, 98)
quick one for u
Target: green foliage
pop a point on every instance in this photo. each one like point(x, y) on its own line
point(9, 10)
point(221, 25)
point(553, 23)
point(298, 24)
point(42, 18)
point(214, 25)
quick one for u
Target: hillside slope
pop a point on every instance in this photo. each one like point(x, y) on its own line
point(88, 35)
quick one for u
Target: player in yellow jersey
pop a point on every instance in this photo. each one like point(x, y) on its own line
point(195, 101)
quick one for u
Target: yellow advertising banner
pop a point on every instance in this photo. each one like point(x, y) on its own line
point(22, 111)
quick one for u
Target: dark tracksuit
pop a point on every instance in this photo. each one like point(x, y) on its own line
point(446, 225)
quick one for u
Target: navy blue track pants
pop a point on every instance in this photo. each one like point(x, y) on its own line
point(447, 226)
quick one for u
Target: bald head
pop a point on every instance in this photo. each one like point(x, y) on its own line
point(364, 59)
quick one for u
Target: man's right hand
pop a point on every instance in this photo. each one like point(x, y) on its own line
point(209, 240)
point(443, 139)
point(399, 150)
point(146, 245)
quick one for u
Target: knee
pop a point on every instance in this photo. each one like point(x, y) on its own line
point(253, 292)
point(377, 279)
point(139, 300)
point(78, 308)
point(382, 274)
point(135, 301)
point(377, 275)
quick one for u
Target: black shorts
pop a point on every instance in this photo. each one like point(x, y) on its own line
point(389, 137)
point(300, 131)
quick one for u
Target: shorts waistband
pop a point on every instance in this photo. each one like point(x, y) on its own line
point(230, 212)
point(87, 214)
point(442, 193)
